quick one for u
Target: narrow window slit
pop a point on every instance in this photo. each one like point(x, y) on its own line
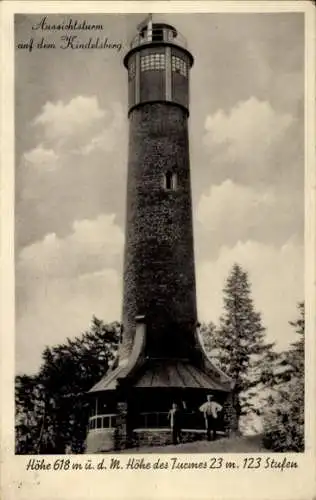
point(170, 181)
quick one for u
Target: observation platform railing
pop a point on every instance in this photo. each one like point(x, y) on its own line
point(157, 36)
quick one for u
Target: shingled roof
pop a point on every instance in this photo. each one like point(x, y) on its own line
point(176, 374)
point(144, 372)
point(161, 373)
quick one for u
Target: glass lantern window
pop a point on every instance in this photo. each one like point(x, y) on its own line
point(152, 62)
point(131, 70)
point(179, 66)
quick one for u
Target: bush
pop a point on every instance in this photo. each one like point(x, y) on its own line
point(284, 414)
point(283, 425)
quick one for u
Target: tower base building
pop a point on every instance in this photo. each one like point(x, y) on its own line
point(160, 358)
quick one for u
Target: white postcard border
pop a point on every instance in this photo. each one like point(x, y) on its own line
point(17, 483)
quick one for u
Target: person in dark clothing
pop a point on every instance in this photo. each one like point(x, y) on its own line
point(175, 423)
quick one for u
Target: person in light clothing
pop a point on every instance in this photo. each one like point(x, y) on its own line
point(210, 410)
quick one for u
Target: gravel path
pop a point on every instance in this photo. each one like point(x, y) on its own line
point(243, 444)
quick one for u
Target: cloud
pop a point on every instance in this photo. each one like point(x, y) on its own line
point(253, 177)
point(79, 126)
point(250, 143)
point(251, 126)
point(90, 246)
point(76, 170)
point(61, 120)
point(62, 282)
point(41, 157)
point(230, 212)
point(277, 278)
point(63, 308)
point(107, 139)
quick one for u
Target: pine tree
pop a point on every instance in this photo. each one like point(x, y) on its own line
point(206, 333)
point(296, 355)
point(239, 346)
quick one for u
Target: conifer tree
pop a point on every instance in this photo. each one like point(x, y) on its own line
point(239, 345)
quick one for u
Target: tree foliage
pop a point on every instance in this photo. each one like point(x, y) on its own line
point(52, 408)
point(284, 412)
point(238, 345)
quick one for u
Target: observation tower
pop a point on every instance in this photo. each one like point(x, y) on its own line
point(160, 358)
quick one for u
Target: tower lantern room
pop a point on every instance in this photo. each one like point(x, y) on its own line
point(158, 65)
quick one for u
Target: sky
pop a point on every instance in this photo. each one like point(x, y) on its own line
point(246, 131)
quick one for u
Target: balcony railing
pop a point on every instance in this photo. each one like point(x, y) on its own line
point(152, 420)
point(157, 36)
point(107, 421)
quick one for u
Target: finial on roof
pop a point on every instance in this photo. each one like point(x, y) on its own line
point(147, 22)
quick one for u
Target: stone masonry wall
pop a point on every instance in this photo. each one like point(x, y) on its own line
point(105, 441)
point(159, 278)
point(163, 437)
